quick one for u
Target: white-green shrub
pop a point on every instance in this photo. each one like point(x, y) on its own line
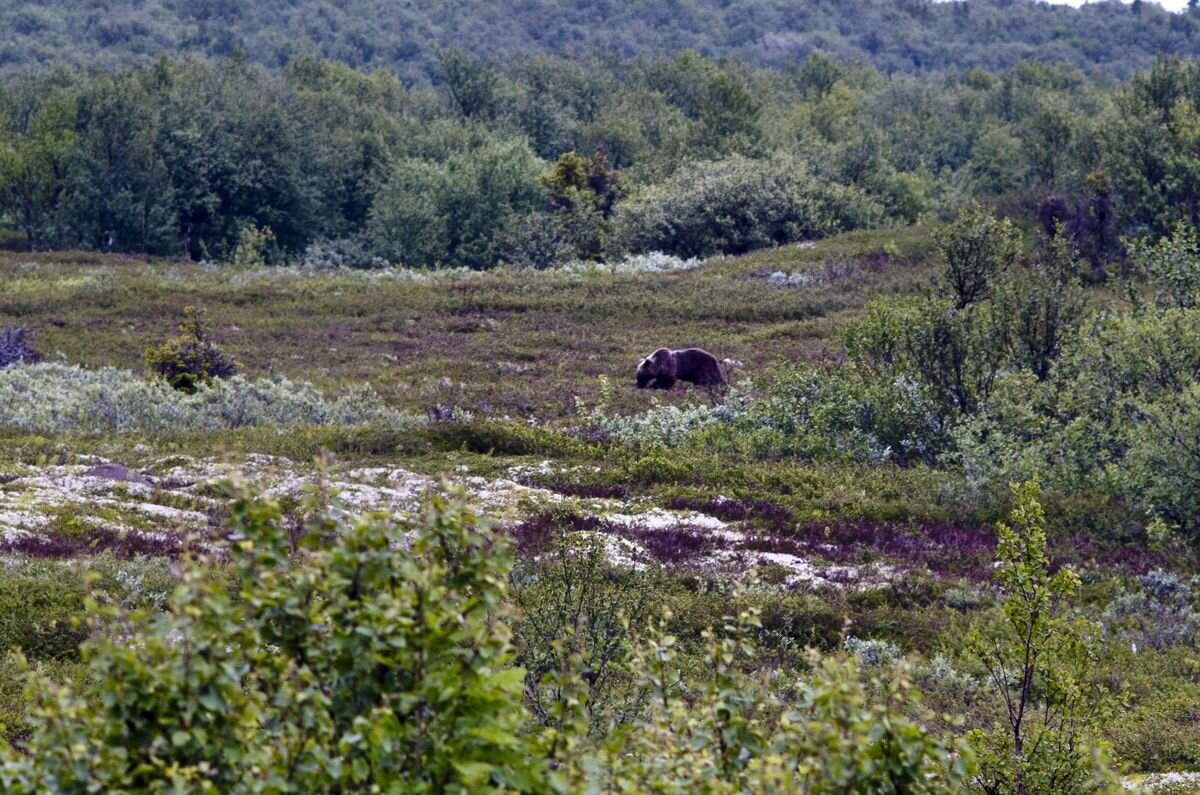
point(663, 425)
point(633, 264)
point(51, 397)
point(871, 653)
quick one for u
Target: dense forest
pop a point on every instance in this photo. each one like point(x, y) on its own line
point(545, 159)
point(906, 35)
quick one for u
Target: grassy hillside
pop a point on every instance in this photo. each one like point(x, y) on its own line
point(522, 344)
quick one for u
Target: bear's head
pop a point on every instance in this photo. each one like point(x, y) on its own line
point(647, 371)
point(654, 368)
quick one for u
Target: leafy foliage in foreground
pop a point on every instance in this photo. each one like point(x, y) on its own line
point(1040, 667)
point(364, 653)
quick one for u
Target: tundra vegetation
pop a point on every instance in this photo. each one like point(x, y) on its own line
point(323, 469)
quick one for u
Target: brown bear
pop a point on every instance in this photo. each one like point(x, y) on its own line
point(661, 369)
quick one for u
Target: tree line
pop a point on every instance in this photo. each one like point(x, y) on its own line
point(543, 158)
point(1110, 37)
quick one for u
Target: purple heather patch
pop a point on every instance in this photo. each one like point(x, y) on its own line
point(120, 544)
point(585, 491)
point(1083, 550)
point(673, 546)
point(535, 534)
point(670, 546)
point(946, 550)
point(733, 510)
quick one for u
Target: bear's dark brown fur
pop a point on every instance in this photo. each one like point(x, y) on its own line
point(661, 369)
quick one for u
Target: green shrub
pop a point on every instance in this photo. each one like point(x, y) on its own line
point(255, 247)
point(575, 609)
point(840, 414)
point(1162, 733)
point(368, 654)
point(726, 736)
point(15, 703)
point(1038, 304)
point(951, 354)
point(362, 665)
point(1116, 416)
point(735, 205)
point(1171, 267)
point(455, 213)
point(660, 426)
point(1158, 614)
point(192, 359)
point(977, 247)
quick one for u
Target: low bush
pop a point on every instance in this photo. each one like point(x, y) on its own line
point(735, 205)
point(575, 608)
point(256, 247)
point(871, 653)
point(354, 252)
point(191, 359)
point(1158, 614)
point(53, 398)
point(41, 610)
point(1162, 733)
point(1116, 415)
point(42, 603)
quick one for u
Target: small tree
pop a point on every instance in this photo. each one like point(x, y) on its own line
point(1037, 304)
point(977, 246)
point(254, 247)
point(1039, 665)
point(191, 359)
point(1094, 226)
point(592, 177)
point(952, 353)
point(576, 609)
